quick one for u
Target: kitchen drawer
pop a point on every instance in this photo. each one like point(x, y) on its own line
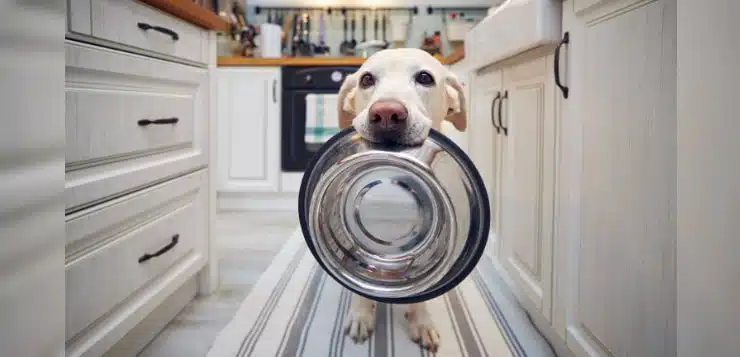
point(110, 123)
point(109, 151)
point(92, 227)
point(132, 252)
point(135, 24)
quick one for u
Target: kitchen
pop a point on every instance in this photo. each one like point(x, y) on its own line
point(572, 125)
point(543, 134)
point(275, 87)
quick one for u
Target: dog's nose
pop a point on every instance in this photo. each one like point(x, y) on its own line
point(387, 114)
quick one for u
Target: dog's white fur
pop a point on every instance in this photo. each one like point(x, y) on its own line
point(394, 71)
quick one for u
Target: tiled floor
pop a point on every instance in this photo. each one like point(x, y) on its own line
point(246, 243)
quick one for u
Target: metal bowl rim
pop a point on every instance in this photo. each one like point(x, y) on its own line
point(479, 227)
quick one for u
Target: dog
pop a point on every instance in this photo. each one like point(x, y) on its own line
point(398, 95)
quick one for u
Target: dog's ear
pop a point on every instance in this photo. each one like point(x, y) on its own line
point(456, 104)
point(346, 101)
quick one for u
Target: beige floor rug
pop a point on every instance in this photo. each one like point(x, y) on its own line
point(297, 310)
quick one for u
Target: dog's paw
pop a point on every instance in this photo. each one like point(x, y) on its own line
point(422, 329)
point(361, 323)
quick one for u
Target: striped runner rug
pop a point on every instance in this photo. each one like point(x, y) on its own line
point(297, 310)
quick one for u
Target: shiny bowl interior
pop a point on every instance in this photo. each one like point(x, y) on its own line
point(394, 223)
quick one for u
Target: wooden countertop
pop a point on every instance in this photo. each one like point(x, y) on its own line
point(456, 56)
point(190, 12)
point(230, 61)
point(289, 61)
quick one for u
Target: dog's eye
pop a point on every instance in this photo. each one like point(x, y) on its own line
point(367, 80)
point(424, 78)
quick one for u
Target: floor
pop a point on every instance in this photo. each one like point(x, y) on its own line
point(247, 243)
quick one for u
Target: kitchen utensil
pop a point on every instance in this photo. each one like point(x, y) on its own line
point(344, 47)
point(375, 25)
point(396, 224)
point(281, 23)
point(384, 26)
point(304, 41)
point(296, 34)
point(353, 43)
point(322, 48)
point(238, 10)
point(368, 48)
point(364, 28)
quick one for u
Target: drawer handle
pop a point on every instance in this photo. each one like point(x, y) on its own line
point(165, 249)
point(146, 27)
point(556, 65)
point(274, 90)
point(493, 112)
point(145, 122)
point(500, 117)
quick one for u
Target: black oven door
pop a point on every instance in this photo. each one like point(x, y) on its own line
point(296, 153)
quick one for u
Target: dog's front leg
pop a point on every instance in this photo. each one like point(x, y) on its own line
point(421, 327)
point(361, 322)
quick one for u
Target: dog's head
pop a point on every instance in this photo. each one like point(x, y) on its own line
point(398, 95)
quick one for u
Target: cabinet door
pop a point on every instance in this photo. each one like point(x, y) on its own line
point(527, 187)
point(484, 142)
point(248, 130)
point(619, 174)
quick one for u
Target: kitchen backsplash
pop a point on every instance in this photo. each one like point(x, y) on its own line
point(418, 25)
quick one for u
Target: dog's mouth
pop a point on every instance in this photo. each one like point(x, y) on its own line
point(393, 137)
point(406, 132)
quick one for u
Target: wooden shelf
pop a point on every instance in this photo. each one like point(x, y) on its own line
point(190, 12)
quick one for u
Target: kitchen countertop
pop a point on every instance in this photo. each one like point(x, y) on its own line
point(191, 12)
point(232, 61)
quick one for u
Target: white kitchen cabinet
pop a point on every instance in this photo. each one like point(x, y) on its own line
point(526, 178)
point(617, 215)
point(584, 186)
point(484, 146)
point(138, 195)
point(513, 145)
point(249, 130)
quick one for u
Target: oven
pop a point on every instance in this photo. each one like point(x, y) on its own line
point(306, 91)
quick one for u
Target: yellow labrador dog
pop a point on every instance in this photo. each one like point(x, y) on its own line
point(398, 95)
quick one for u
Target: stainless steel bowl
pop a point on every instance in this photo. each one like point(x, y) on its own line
point(393, 223)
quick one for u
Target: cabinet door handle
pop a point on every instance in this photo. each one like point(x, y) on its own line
point(500, 117)
point(146, 27)
point(556, 67)
point(165, 249)
point(274, 90)
point(493, 112)
point(145, 122)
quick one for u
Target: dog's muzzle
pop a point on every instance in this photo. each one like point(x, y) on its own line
point(387, 120)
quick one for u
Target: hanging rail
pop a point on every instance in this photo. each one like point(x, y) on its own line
point(343, 9)
point(444, 10)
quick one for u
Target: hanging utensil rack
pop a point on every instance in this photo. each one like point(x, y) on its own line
point(413, 9)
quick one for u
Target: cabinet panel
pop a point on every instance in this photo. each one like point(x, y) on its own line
point(107, 92)
point(527, 186)
point(619, 226)
point(136, 24)
point(484, 146)
point(249, 130)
